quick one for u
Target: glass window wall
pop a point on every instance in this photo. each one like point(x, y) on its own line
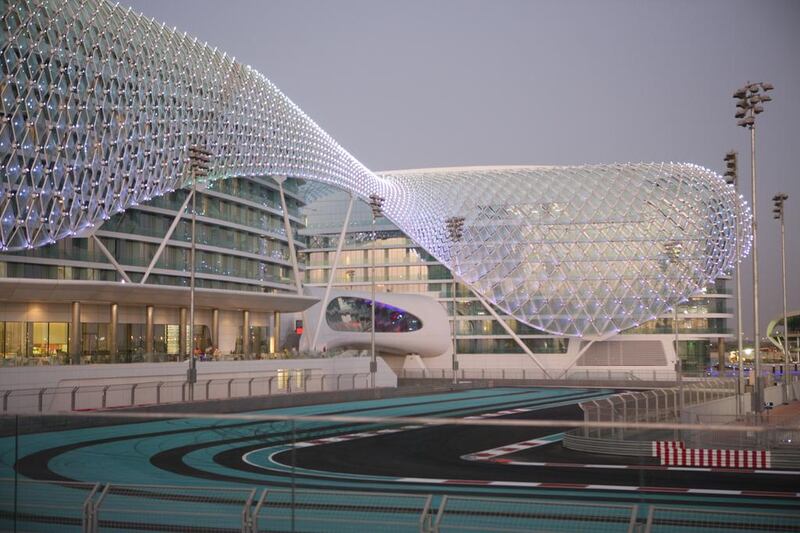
point(355, 315)
point(34, 343)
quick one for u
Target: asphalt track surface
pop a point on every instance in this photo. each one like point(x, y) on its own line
point(423, 460)
point(435, 452)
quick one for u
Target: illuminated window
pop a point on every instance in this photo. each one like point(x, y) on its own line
point(355, 314)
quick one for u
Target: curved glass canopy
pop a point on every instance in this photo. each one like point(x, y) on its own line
point(100, 106)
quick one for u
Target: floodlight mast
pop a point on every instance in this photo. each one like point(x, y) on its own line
point(673, 250)
point(732, 178)
point(200, 164)
point(455, 231)
point(750, 100)
point(778, 214)
point(376, 205)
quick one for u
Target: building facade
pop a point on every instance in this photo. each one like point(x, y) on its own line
point(96, 124)
point(242, 251)
point(401, 266)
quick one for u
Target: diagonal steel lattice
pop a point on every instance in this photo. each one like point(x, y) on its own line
point(100, 106)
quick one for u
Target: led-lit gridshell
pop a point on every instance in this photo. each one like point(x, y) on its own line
point(100, 105)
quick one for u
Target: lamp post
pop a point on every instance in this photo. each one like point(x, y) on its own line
point(200, 163)
point(455, 230)
point(673, 253)
point(732, 178)
point(778, 200)
point(749, 104)
point(376, 204)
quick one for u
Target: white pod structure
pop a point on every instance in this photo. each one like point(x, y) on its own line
point(100, 106)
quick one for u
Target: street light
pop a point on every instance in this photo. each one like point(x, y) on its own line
point(455, 230)
point(732, 178)
point(199, 164)
point(673, 249)
point(376, 204)
point(750, 100)
point(778, 200)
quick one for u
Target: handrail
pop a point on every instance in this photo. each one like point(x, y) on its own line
point(115, 395)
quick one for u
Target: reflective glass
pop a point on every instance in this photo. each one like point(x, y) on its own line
point(355, 314)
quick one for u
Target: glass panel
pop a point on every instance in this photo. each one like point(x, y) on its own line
point(39, 339)
point(172, 340)
point(355, 314)
point(14, 339)
point(58, 342)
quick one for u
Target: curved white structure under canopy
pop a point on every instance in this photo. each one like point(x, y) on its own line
point(100, 105)
point(404, 323)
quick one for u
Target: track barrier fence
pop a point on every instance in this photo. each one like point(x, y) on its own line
point(119, 395)
point(712, 445)
point(93, 508)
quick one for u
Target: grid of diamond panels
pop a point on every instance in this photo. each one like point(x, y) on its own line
point(587, 250)
point(99, 106)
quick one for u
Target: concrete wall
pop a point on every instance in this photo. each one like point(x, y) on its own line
point(557, 364)
point(84, 375)
point(714, 411)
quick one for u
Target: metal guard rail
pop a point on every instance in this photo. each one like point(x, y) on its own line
point(119, 395)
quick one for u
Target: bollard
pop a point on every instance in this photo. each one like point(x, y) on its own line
point(158, 392)
point(41, 399)
point(250, 387)
point(230, 388)
point(105, 396)
point(133, 394)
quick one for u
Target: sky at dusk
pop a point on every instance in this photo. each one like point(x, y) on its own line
point(419, 83)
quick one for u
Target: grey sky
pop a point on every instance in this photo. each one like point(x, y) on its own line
point(424, 83)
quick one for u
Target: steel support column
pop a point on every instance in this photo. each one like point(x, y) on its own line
point(113, 322)
point(246, 333)
point(215, 328)
point(183, 331)
point(332, 274)
point(75, 348)
point(514, 336)
point(149, 343)
point(289, 236)
point(167, 237)
point(276, 328)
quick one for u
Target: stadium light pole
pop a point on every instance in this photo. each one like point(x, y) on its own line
point(200, 163)
point(673, 251)
point(455, 230)
point(376, 204)
point(732, 178)
point(778, 200)
point(749, 104)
